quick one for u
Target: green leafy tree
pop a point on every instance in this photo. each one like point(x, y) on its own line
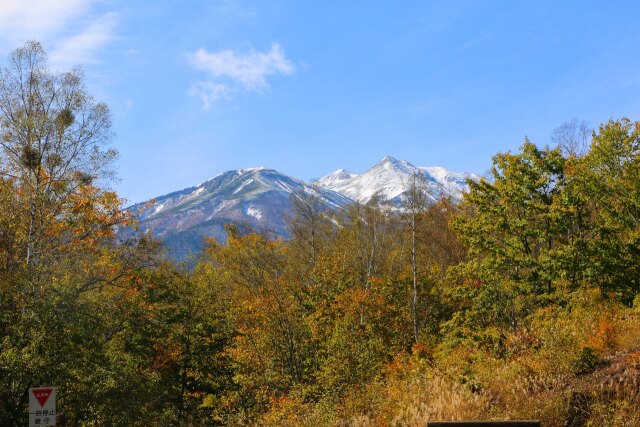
point(511, 229)
point(609, 185)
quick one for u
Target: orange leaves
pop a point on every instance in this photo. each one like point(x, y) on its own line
point(605, 336)
point(164, 355)
point(358, 300)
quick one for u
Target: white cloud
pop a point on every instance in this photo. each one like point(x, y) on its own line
point(210, 92)
point(69, 29)
point(232, 71)
point(80, 48)
point(36, 19)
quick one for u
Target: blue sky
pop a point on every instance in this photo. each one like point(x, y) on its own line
point(199, 87)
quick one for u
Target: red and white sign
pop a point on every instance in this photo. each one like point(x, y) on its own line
point(42, 406)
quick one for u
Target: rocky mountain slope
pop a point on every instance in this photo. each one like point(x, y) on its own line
point(256, 197)
point(260, 198)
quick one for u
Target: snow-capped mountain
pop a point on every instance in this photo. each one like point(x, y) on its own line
point(262, 197)
point(257, 197)
point(390, 179)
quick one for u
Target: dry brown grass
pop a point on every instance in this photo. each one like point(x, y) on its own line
point(536, 380)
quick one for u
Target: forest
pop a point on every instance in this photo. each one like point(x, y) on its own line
point(520, 302)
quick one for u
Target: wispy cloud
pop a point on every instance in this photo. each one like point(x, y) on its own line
point(70, 29)
point(210, 92)
point(81, 47)
point(234, 10)
point(40, 19)
point(230, 72)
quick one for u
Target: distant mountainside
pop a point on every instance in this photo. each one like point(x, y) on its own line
point(256, 197)
point(261, 197)
point(390, 178)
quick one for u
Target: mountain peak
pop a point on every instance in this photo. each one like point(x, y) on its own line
point(250, 170)
point(260, 196)
point(389, 159)
point(257, 196)
point(391, 163)
point(335, 179)
point(338, 174)
point(390, 178)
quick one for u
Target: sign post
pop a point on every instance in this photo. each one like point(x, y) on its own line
point(42, 406)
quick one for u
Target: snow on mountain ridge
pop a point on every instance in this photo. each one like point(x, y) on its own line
point(261, 198)
point(336, 178)
point(255, 196)
point(389, 179)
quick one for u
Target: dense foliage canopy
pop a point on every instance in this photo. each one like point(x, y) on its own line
point(520, 302)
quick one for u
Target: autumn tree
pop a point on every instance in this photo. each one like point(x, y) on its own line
point(68, 288)
point(312, 230)
point(573, 137)
point(52, 146)
point(359, 322)
point(309, 224)
point(439, 250)
point(270, 346)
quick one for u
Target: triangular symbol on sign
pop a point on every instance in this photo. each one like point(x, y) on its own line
point(42, 394)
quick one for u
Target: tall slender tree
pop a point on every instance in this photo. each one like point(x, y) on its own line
point(415, 203)
point(52, 141)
